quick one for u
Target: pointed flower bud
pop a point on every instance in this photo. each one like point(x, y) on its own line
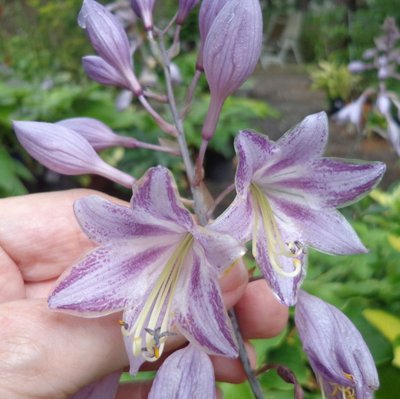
point(144, 10)
point(336, 350)
point(111, 43)
point(208, 11)
point(99, 135)
point(65, 151)
point(185, 6)
point(357, 66)
point(231, 52)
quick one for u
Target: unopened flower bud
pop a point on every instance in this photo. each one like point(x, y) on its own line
point(185, 6)
point(208, 11)
point(99, 135)
point(111, 43)
point(231, 52)
point(65, 151)
point(336, 350)
point(144, 10)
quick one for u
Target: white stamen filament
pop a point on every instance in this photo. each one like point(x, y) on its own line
point(161, 297)
point(275, 245)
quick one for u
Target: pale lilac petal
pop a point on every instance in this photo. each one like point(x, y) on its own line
point(102, 72)
point(209, 9)
point(65, 151)
point(106, 34)
point(304, 143)
point(144, 10)
point(237, 220)
point(157, 196)
point(230, 54)
point(254, 152)
point(98, 134)
point(285, 288)
point(201, 316)
point(187, 373)
point(334, 346)
point(323, 229)
point(327, 182)
point(105, 388)
point(383, 103)
point(221, 250)
point(232, 47)
point(103, 221)
point(109, 277)
point(185, 6)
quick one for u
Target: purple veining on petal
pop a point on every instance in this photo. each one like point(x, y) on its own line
point(202, 318)
point(103, 221)
point(158, 189)
point(335, 347)
point(193, 376)
point(255, 152)
point(103, 280)
point(323, 229)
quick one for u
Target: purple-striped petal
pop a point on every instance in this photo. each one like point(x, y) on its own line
point(336, 350)
point(110, 277)
point(187, 373)
point(103, 221)
point(221, 250)
point(323, 229)
point(327, 182)
point(255, 151)
point(156, 196)
point(284, 287)
point(237, 220)
point(201, 316)
point(105, 388)
point(304, 143)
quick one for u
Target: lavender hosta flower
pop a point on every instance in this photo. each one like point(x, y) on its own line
point(231, 52)
point(353, 112)
point(65, 151)
point(144, 10)
point(287, 195)
point(209, 9)
point(383, 103)
point(359, 66)
point(187, 373)
point(99, 135)
point(185, 6)
point(158, 265)
point(114, 66)
point(336, 350)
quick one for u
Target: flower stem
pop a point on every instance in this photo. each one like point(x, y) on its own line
point(201, 210)
point(253, 381)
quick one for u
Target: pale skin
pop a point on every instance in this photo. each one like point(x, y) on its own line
point(45, 354)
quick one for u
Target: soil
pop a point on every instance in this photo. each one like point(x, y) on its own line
point(288, 90)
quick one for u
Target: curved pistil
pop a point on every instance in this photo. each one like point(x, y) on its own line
point(154, 319)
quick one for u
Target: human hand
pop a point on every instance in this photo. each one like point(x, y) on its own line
point(48, 354)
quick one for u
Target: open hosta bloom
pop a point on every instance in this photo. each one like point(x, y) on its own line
point(158, 265)
point(337, 352)
point(286, 199)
